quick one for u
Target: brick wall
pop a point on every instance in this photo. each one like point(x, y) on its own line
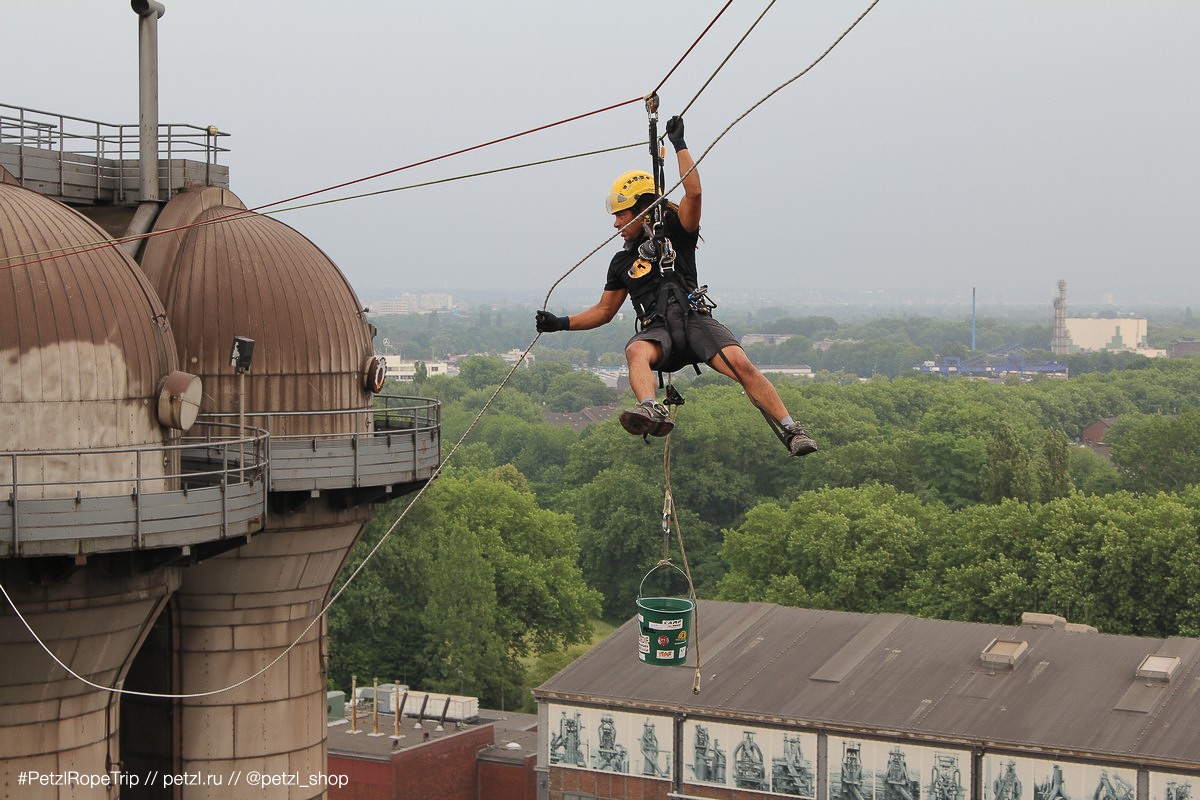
point(606, 784)
point(508, 781)
point(443, 769)
point(365, 780)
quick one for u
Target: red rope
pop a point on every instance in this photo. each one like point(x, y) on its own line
point(689, 50)
point(344, 184)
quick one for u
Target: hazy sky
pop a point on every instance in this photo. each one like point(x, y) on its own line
point(943, 145)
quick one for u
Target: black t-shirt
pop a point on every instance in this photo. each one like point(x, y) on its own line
point(637, 275)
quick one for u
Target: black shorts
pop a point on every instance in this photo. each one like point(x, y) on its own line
point(692, 339)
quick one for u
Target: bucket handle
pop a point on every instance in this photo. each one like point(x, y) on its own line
point(667, 563)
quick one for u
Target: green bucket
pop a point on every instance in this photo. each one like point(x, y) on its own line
point(664, 623)
point(664, 628)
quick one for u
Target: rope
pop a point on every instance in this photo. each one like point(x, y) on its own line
point(723, 63)
point(689, 50)
point(50, 255)
point(671, 518)
point(457, 178)
point(438, 470)
point(53, 254)
point(97, 244)
point(417, 496)
point(669, 515)
point(663, 197)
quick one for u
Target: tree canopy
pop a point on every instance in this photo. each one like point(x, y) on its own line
point(952, 498)
point(476, 579)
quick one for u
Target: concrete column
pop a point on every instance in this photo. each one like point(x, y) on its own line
point(237, 612)
point(93, 621)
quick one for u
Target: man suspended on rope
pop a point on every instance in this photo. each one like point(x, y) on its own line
point(658, 274)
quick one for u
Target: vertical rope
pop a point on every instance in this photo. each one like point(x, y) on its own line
point(670, 518)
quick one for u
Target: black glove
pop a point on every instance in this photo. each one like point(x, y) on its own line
point(548, 323)
point(675, 133)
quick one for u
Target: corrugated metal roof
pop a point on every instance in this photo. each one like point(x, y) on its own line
point(84, 341)
point(253, 276)
point(1072, 692)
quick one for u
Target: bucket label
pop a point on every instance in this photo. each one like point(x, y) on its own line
point(643, 644)
point(667, 625)
point(666, 655)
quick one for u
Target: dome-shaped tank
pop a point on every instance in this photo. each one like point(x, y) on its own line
point(84, 349)
point(223, 275)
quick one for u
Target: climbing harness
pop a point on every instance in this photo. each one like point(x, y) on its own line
point(652, 303)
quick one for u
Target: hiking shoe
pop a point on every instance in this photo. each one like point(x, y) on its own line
point(647, 418)
point(797, 441)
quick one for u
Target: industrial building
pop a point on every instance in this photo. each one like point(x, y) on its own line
point(1094, 334)
point(831, 705)
point(439, 747)
point(193, 438)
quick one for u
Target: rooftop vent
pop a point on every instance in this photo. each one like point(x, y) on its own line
point(1036, 619)
point(1158, 668)
point(1003, 653)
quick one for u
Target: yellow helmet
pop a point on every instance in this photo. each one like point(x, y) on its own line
point(625, 190)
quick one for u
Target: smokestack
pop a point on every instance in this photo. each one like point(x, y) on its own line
point(1060, 343)
point(148, 12)
point(972, 319)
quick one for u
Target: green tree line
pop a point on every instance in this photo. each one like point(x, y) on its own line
point(944, 497)
point(881, 346)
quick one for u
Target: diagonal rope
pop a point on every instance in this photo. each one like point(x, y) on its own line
point(53, 254)
point(324, 609)
point(98, 244)
point(689, 50)
point(663, 198)
point(726, 60)
point(438, 470)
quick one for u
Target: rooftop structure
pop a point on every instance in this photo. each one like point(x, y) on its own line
point(491, 757)
point(1044, 695)
point(86, 162)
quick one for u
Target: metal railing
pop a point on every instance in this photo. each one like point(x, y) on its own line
point(106, 152)
point(212, 484)
point(396, 441)
point(138, 497)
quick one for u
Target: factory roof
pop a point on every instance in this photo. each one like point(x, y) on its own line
point(371, 741)
point(1044, 684)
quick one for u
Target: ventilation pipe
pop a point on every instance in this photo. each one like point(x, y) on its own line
point(148, 12)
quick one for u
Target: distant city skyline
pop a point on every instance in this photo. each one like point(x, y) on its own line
point(942, 146)
point(381, 300)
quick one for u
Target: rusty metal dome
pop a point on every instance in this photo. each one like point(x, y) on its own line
point(84, 339)
point(225, 274)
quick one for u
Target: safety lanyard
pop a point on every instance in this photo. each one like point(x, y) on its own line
point(664, 254)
